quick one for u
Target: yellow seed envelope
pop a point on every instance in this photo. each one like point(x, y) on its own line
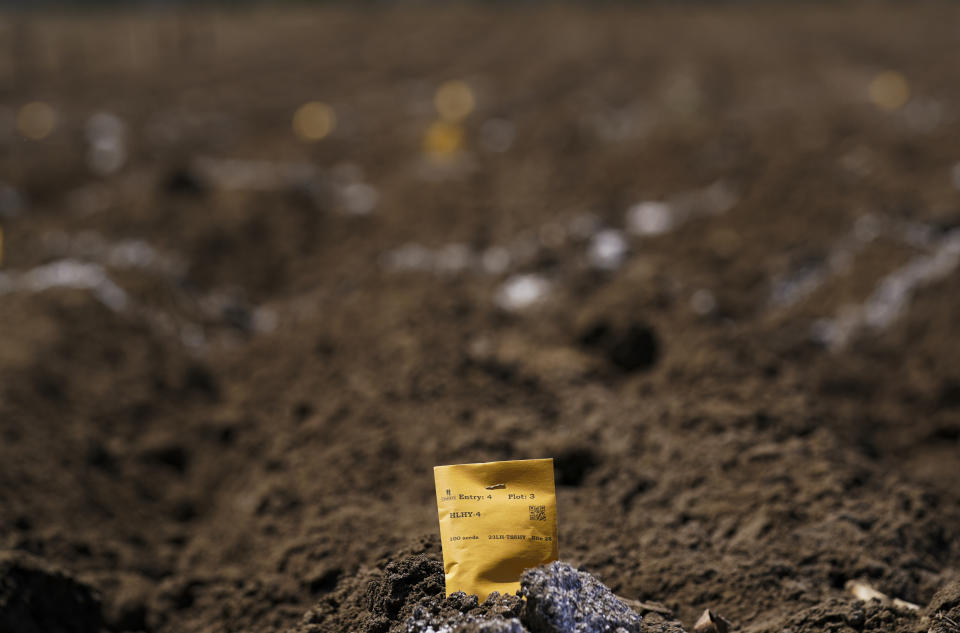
point(496, 520)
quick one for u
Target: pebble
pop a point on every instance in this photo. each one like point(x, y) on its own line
point(360, 198)
point(608, 249)
point(522, 291)
point(702, 302)
point(495, 260)
point(107, 146)
point(650, 218)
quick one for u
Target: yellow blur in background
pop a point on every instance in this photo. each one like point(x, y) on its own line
point(443, 139)
point(454, 100)
point(889, 90)
point(314, 121)
point(36, 120)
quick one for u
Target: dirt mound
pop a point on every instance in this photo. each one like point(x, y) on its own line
point(407, 595)
point(383, 598)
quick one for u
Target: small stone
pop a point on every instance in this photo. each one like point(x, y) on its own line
point(650, 218)
point(521, 292)
point(710, 622)
point(359, 198)
point(608, 249)
point(702, 302)
point(561, 599)
point(495, 260)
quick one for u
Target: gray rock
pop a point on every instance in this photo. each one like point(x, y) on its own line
point(561, 599)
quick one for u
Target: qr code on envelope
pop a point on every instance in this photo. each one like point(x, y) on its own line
point(538, 513)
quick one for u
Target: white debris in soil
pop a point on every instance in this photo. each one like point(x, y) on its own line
point(521, 292)
point(354, 195)
point(359, 198)
point(584, 225)
point(715, 199)
point(106, 143)
point(67, 273)
point(233, 174)
point(11, 202)
point(128, 254)
point(607, 249)
point(265, 320)
point(791, 288)
point(651, 217)
point(892, 295)
point(453, 259)
point(495, 260)
point(458, 258)
point(73, 269)
point(408, 258)
point(702, 302)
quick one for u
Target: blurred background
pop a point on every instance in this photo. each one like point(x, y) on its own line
point(263, 265)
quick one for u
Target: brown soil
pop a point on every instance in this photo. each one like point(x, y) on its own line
point(253, 433)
